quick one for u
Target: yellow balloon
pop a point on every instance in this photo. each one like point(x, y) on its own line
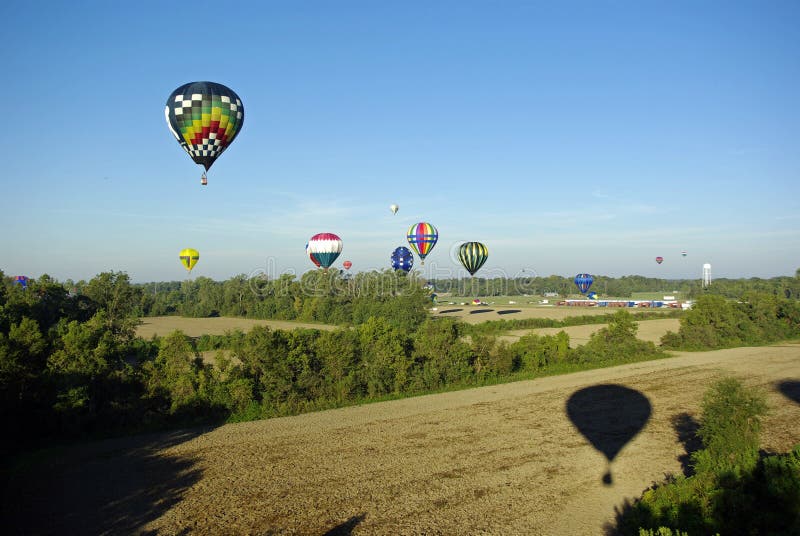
point(189, 258)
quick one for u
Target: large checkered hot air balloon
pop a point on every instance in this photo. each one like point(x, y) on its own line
point(205, 118)
point(472, 256)
point(324, 248)
point(422, 237)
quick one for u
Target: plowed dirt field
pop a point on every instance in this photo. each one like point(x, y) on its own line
point(505, 459)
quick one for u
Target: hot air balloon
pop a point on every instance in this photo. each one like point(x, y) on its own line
point(21, 280)
point(189, 258)
point(205, 118)
point(311, 257)
point(422, 237)
point(347, 265)
point(325, 248)
point(394, 208)
point(583, 282)
point(683, 253)
point(472, 256)
point(402, 259)
point(659, 260)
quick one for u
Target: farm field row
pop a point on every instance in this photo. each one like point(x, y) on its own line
point(503, 459)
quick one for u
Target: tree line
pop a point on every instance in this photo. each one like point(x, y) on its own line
point(334, 297)
point(71, 365)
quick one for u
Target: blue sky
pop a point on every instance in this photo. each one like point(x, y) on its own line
point(566, 136)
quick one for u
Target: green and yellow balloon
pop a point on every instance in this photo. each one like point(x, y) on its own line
point(472, 256)
point(205, 118)
point(189, 258)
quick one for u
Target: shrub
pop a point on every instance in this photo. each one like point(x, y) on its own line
point(730, 429)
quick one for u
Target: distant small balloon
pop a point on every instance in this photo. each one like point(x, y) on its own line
point(394, 208)
point(402, 259)
point(347, 265)
point(659, 260)
point(583, 282)
point(189, 258)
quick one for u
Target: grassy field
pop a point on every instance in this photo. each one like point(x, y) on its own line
point(194, 327)
point(502, 459)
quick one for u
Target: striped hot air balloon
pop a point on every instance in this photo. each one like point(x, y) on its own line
point(325, 248)
point(472, 256)
point(422, 237)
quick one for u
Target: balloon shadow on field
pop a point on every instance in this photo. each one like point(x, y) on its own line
point(686, 428)
point(114, 486)
point(790, 389)
point(346, 528)
point(609, 416)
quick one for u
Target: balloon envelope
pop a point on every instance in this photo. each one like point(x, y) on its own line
point(311, 257)
point(21, 280)
point(325, 248)
point(205, 118)
point(422, 237)
point(583, 282)
point(402, 259)
point(189, 258)
point(472, 256)
point(659, 260)
point(394, 208)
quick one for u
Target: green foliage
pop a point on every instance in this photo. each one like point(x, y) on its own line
point(715, 322)
point(734, 490)
point(730, 430)
point(617, 341)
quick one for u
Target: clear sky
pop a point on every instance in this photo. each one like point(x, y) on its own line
point(566, 136)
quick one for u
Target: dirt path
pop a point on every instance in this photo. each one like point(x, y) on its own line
point(497, 460)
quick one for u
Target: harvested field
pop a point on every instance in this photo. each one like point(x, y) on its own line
point(194, 327)
point(474, 315)
point(504, 459)
point(649, 330)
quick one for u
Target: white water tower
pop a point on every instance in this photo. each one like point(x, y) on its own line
point(706, 274)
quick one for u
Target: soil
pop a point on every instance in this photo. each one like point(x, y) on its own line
point(524, 458)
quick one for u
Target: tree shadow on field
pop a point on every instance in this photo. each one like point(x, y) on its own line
point(479, 311)
point(790, 389)
point(346, 528)
point(114, 486)
point(686, 428)
point(450, 311)
point(608, 416)
point(509, 311)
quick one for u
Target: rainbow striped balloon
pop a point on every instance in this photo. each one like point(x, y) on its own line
point(422, 237)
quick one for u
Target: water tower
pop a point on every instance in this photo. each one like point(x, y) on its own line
point(706, 274)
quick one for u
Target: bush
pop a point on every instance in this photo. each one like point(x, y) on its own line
point(734, 489)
